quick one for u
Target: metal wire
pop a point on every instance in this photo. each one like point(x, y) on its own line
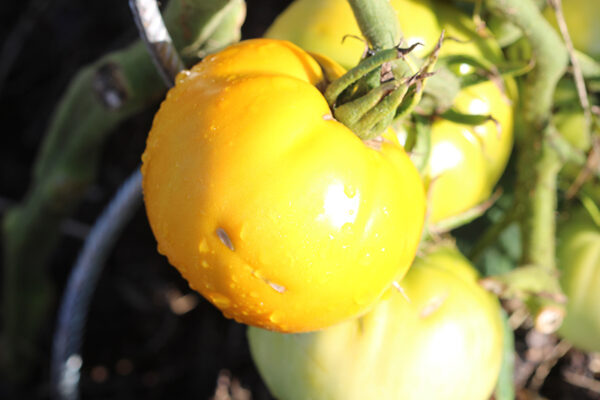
point(66, 355)
point(66, 360)
point(153, 31)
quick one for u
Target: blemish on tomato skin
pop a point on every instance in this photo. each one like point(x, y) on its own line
point(276, 287)
point(225, 239)
point(433, 305)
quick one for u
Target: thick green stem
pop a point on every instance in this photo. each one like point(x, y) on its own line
point(378, 22)
point(538, 162)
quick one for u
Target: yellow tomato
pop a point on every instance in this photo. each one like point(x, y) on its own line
point(276, 213)
point(440, 338)
point(320, 26)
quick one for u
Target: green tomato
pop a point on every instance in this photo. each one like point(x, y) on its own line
point(571, 125)
point(578, 250)
point(460, 180)
point(320, 26)
point(440, 337)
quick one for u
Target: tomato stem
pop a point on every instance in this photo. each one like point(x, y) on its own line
point(378, 22)
point(538, 162)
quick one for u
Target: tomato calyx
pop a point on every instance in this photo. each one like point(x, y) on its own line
point(384, 86)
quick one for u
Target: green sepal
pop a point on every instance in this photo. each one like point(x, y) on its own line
point(440, 92)
point(467, 119)
point(352, 112)
point(482, 70)
point(335, 88)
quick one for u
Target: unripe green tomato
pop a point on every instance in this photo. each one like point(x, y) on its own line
point(578, 250)
point(440, 338)
point(320, 26)
point(583, 21)
point(571, 125)
point(459, 180)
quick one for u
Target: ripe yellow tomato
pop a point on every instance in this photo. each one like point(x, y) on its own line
point(440, 338)
point(276, 213)
point(578, 251)
point(320, 26)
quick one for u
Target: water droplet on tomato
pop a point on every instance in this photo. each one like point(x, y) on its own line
point(203, 246)
point(350, 191)
point(276, 317)
point(243, 232)
point(220, 300)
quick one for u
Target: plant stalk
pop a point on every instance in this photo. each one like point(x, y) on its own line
point(378, 22)
point(538, 164)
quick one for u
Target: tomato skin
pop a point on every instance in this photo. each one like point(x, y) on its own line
point(578, 252)
point(280, 217)
point(320, 26)
point(480, 153)
point(450, 329)
point(456, 175)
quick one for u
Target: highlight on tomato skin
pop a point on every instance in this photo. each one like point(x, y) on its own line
point(438, 335)
point(278, 215)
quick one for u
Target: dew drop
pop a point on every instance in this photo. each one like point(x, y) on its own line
point(347, 227)
point(203, 246)
point(243, 232)
point(350, 191)
point(276, 317)
point(219, 300)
